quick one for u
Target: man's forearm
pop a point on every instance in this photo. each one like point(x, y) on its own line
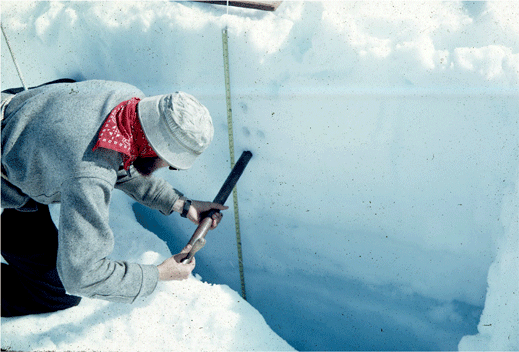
point(152, 192)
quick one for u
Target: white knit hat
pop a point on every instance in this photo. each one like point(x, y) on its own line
point(177, 126)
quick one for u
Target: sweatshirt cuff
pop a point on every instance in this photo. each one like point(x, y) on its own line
point(172, 200)
point(150, 278)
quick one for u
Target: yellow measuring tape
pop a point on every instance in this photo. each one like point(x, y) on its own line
point(231, 149)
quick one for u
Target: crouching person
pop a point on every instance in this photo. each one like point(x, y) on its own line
point(73, 144)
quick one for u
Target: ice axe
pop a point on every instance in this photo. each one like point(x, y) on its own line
point(197, 241)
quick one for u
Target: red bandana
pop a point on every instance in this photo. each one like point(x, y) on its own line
point(123, 133)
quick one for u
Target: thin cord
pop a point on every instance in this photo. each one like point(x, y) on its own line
point(14, 59)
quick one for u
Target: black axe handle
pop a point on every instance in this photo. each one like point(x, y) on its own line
point(197, 241)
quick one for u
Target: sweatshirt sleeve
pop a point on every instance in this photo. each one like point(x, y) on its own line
point(151, 191)
point(86, 241)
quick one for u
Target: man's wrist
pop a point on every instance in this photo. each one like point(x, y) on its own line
point(162, 272)
point(179, 204)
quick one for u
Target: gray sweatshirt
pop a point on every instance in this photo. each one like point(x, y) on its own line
point(47, 138)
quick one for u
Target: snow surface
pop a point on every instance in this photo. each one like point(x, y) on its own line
point(379, 211)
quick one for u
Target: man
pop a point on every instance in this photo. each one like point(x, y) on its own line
point(73, 144)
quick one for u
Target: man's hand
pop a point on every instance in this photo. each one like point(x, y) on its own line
point(197, 208)
point(173, 269)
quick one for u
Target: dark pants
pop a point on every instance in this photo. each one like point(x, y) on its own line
point(30, 283)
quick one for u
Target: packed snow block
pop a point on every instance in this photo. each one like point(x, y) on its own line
point(185, 315)
point(188, 315)
point(498, 328)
